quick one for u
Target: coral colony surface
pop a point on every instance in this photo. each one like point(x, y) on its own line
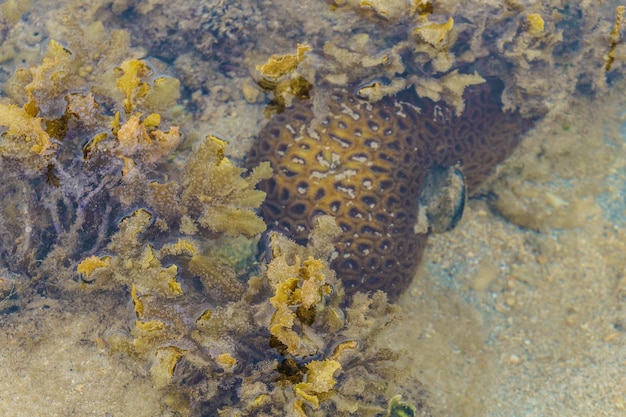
point(260, 280)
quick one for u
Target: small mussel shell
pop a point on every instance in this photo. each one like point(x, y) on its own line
point(442, 198)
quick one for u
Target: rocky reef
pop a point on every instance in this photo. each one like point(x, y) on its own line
point(118, 180)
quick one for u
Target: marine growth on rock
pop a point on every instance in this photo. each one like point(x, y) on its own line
point(365, 163)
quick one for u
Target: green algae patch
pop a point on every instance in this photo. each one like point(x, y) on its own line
point(399, 408)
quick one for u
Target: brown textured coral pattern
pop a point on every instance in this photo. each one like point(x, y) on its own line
point(365, 163)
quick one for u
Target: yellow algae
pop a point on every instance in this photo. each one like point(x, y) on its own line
point(149, 326)
point(129, 165)
point(181, 247)
point(206, 315)
point(301, 290)
point(147, 258)
point(130, 82)
point(88, 265)
point(226, 361)
point(162, 198)
point(313, 285)
point(140, 266)
point(449, 88)
point(137, 139)
point(319, 382)
point(55, 67)
point(214, 189)
point(536, 24)
point(187, 225)
point(280, 65)
point(356, 56)
point(152, 120)
point(139, 307)
point(434, 41)
point(348, 345)
point(233, 221)
point(280, 75)
point(24, 134)
point(219, 279)
point(166, 359)
point(616, 36)
point(434, 33)
point(85, 108)
point(376, 91)
point(173, 284)
point(454, 84)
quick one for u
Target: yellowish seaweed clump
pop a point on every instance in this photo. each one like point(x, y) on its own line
point(138, 139)
point(50, 111)
point(435, 40)
point(318, 385)
point(434, 33)
point(535, 24)
point(206, 331)
point(280, 65)
point(135, 263)
point(24, 134)
point(350, 64)
point(281, 75)
point(166, 359)
point(216, 194)
point(50, 75)
point(298, 289)
point(88, 265)
point(130, 82)
point(449, 88)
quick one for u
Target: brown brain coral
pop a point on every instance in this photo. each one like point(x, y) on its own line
point(365, 164)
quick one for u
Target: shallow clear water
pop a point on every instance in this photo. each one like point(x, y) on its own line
point(516, 312)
